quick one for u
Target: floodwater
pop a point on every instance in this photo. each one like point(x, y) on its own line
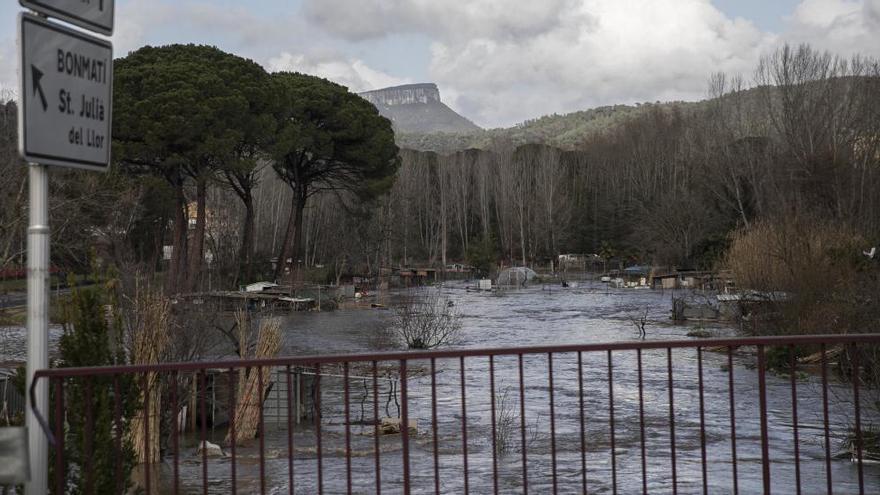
point(590, 313)
point(534, 316)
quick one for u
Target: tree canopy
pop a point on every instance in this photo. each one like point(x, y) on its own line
point(184, 105)
point(328, 139)
point(189, 111)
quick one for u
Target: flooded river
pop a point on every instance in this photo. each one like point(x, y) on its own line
point(532, 317)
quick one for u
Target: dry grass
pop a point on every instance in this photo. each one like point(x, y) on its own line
point(149, 340)
point(818, 266)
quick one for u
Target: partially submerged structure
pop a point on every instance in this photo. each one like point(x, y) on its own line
point(517, 276)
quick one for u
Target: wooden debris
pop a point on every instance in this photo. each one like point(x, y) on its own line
point(831, 354)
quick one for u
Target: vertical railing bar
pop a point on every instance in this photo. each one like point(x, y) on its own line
point(434, 426)
point(376, 452)
point(318, 428)
point(147, 443)
point(88, 444)
point(494, 432)
point(794, 418)
point(404, 424)
point(347, 427)
point(762, 391)
point(230, 388)
point(262, 428)
point(464, 439)
point(611, 423)
point(730, 389)
point(290, 432)
point(580, 371)
point(117, 437)
point(642, 423)
point(552, 423)
point(856, 377)
point(702, 421)
point(175, 433)
point(522, 429)
point(60, 476)
point(825, 417)
point(672, 420)
point(203, 397)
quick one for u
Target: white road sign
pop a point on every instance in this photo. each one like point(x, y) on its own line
point(94, 15)
point(66, 92)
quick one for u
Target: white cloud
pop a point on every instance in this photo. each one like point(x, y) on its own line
point(247, 32)
point(133, 28)
point(363, 19)
point(503, 61)
point(844, 27)
point(601, 52)
point(353, 73)
point(499, 61)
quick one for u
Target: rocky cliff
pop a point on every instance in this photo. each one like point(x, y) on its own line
point(404, 95)
point(417, 109)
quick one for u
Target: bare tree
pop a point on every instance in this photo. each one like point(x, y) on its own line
point(427, 322)
point(640, 321)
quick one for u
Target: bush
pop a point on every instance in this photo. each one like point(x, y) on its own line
point(482, 255)
point(88, 340)
point(812, 272)
point(427, 323)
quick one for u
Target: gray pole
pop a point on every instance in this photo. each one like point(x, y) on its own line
point(38, 323)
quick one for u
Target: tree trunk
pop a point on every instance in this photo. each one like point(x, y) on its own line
point(297, 242)
point(246, 270)
point(197, 254)
point(177, 268)
point(291, 246)
point(285, 243)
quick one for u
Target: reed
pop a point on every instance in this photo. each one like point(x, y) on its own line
point(250, 395)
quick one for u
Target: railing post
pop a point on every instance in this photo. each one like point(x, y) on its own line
point(762, 391)
point(38, 324)
point(404, 426)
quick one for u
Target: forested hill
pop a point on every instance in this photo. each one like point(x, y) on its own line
point(562, 131)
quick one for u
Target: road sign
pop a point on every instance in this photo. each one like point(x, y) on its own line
point(66, 93)
point(94, 15)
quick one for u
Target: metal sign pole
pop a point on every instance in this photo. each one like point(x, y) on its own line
point(38, 323)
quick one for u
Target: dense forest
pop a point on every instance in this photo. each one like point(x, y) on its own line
point(661, 183)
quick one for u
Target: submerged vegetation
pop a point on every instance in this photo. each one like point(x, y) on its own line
point(426, 322)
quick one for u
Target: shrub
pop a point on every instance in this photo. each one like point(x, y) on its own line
point(88, 340)
point(812, 272)
point(427, 323)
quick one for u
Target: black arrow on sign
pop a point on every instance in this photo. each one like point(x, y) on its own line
point(36, 76)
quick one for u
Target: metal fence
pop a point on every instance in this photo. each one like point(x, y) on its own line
point(696, 416)
point(11, 402)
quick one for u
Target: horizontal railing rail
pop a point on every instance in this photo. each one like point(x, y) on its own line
point(726, 414)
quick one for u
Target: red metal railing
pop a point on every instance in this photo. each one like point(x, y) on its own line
point(662, 420)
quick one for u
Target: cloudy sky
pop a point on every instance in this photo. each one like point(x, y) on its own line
point(498, 62)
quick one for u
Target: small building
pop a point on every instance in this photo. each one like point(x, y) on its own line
point(410, 277)
point(259, 286)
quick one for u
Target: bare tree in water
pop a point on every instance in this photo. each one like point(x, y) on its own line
point(426, 323)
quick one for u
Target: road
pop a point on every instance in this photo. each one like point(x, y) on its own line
point(19, 299)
